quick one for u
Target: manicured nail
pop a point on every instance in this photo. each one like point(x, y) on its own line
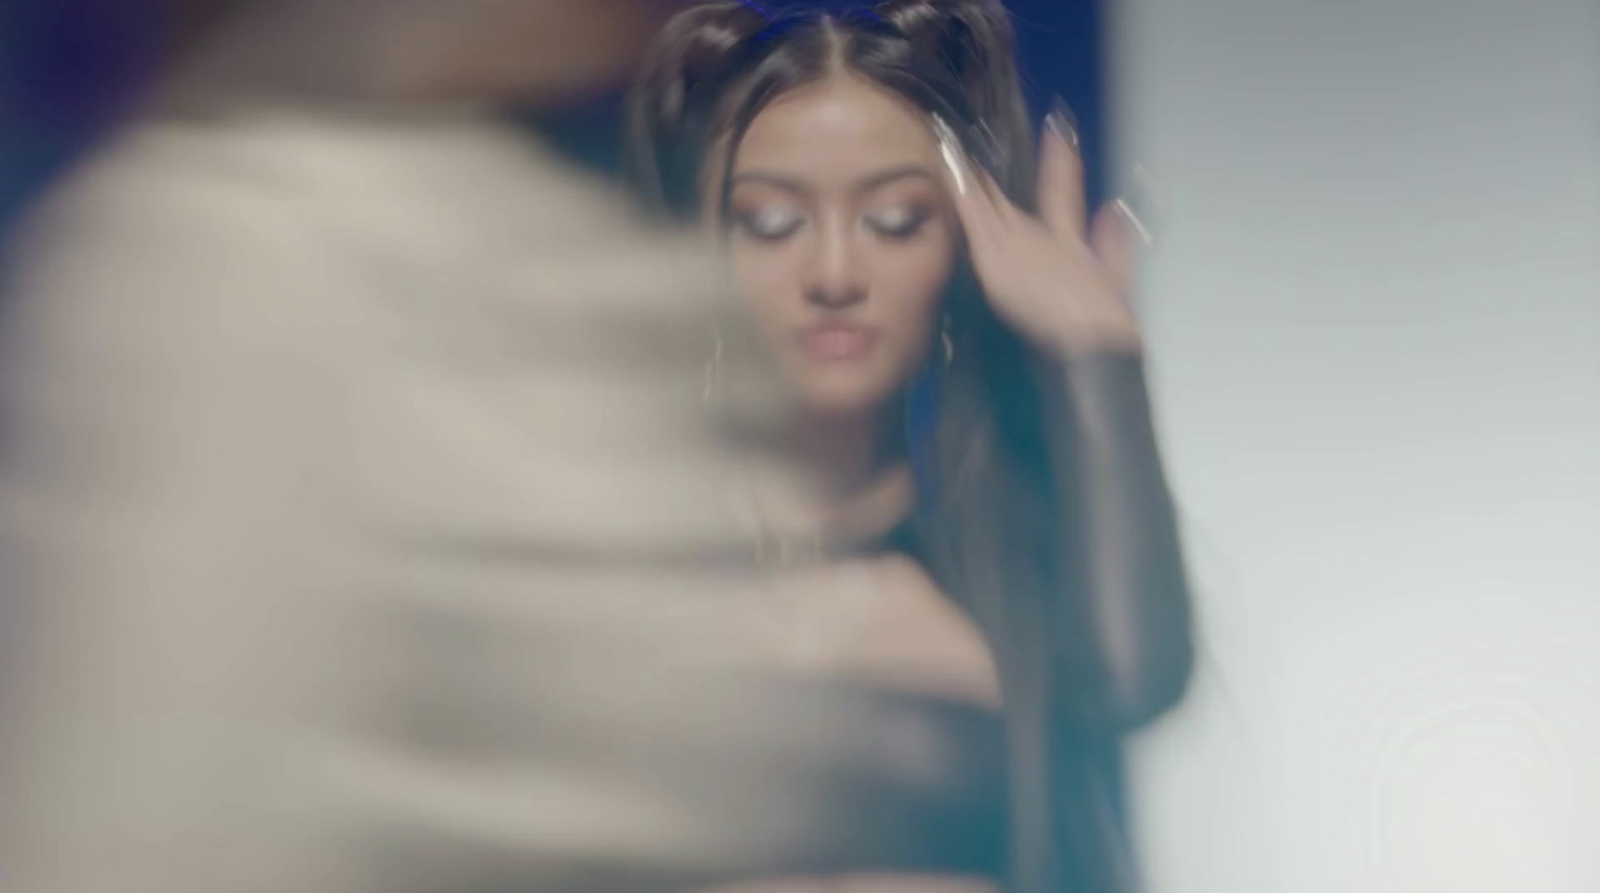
point(1063, 123)
point(991, 152)
point(1139, 229)
point(1142, 197)
point(950, 151)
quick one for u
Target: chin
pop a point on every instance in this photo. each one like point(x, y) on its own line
point(844, 399)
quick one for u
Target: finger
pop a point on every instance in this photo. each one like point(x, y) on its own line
point(984, 159)
point(1143, 197)
point(1116, 237)
point(990, 221)
point(1061, 201)
point(972, 191)
point(1006, 216)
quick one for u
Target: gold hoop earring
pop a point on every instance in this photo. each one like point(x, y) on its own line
point(712, 377)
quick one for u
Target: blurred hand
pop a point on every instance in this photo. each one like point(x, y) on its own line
point(561, 751)
point(1059, 282)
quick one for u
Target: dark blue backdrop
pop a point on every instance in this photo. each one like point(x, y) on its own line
point(69, 67)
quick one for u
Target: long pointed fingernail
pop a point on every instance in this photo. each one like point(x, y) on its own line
point(1134, 223)
point(1063, 123)
point(1142, 200)
point(991, 152)
point(950, 151)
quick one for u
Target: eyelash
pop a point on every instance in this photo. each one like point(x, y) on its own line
point(914, 220)
point(751, 222)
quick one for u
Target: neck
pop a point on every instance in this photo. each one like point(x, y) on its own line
point(841, 455)
point(830, 479)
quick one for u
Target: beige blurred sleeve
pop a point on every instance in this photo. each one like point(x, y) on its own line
point(362, 533)
point(277, 398)
point(162, 515)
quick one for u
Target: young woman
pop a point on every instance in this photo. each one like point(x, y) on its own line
point(954, 327)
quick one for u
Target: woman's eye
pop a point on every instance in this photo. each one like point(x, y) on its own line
point(897, 223)
point(769, 224)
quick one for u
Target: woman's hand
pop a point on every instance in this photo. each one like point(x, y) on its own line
point(1061, 284)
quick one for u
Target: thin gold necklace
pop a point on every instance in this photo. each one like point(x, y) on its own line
point(776, 549)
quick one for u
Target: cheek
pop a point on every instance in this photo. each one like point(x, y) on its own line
point(768, 278)
point(911, 281)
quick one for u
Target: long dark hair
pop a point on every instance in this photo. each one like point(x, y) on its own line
point(993, 527)
point(714, 68)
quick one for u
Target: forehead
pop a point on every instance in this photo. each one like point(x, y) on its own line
point(839, 129)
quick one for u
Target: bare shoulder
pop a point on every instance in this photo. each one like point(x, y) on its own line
point(919, 638)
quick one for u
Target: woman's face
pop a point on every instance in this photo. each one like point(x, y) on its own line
point(842, 238)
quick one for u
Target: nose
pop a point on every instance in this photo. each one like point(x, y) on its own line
point(834, 278)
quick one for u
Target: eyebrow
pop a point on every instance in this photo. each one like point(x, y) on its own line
point(877, 180)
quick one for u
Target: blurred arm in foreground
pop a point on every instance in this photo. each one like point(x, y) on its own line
point(355, 510)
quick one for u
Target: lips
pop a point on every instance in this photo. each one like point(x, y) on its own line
point(835, 342)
